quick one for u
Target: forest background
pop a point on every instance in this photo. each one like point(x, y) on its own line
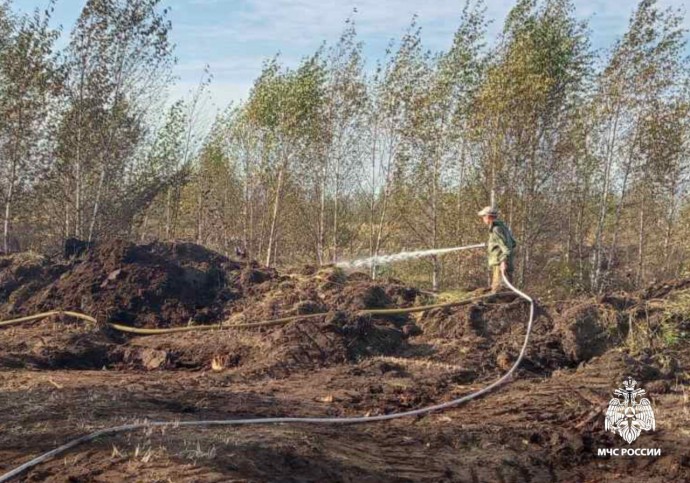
point(587, 150)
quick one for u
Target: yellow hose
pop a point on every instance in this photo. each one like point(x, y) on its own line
point(250, 325)
point(422, 308)
point(29, 318)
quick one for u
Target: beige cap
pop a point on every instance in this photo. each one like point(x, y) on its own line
point(488, 211)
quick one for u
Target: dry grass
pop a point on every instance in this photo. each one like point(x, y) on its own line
point(658, 324)
point(196, 452)
point(452, 296)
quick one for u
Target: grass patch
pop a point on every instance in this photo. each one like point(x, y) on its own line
point(676, 317)
point(661, 324)
point(452, 296)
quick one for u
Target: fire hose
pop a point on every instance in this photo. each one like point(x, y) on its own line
point(249, 325)
point(281, 420)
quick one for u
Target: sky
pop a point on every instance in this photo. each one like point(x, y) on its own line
point(234, 37)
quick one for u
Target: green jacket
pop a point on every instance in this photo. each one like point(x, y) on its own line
point(501, 246)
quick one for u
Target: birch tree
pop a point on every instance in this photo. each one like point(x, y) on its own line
point(285, 107)
point(522, 109)
point(436, 135)
point(28, 79)
point(118, 63)
point(645, 68)
point(389, 97)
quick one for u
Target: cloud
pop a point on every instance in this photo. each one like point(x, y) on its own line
point(312, 21)
point(236, 36)
point(218, 95)
point(292, 24)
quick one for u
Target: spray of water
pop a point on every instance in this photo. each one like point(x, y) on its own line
point(397, 257)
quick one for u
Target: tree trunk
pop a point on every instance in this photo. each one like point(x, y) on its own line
point(460, 211)
point(322, 219)
point(434, 235)
point(65, 233)
point(250, 241)
point(580, 242)
point(264, 220)
point(274, 217)
point(78, 222)
point(168, 213)
point(596, 254)
point(619, 207)
point(199, 211)
point(379, 232)
point(245, 207)
point(6, 225)
point(336, 194)
point(78, 198)
point(569, 240)
point(96, 205)
point(372, 205)
point(670, 215)
point(8, 205)
point(640, 247)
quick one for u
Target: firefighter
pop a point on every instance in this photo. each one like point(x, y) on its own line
point(500, 248)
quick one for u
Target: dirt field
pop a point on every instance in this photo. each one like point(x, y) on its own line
point(61, 378)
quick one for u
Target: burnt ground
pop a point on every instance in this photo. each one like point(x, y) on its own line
point(60, 378)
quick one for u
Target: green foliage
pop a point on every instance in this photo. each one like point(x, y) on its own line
point(28, 76)
point(674, 326)
point(287, 103)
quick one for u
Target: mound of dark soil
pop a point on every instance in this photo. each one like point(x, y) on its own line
point(341, 338)
point(21, 276)
point(163, 285)
point(588, 330)
point(56, 344)
point(327, 290)
point(563, 335)
point(491, 334)
point(302, 344)
point(168, 284)
point(155, 285)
